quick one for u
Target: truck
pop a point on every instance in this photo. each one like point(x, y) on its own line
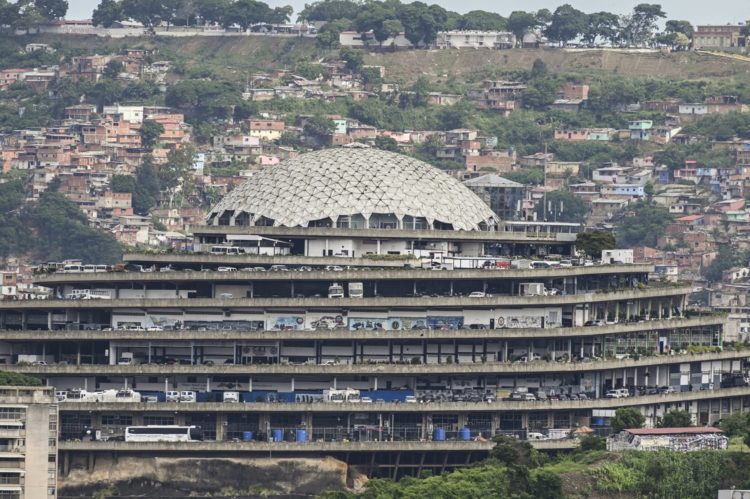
point(533, 289)
point(231, 397)
point(340, 396)
point(335, 290)
point(356, 290)
point(125, 359)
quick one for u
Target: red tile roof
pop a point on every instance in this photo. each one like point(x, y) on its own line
point(674, 431)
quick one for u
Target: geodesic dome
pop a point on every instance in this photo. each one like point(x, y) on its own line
point(354, 187)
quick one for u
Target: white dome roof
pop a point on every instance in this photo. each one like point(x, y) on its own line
point(348, 182)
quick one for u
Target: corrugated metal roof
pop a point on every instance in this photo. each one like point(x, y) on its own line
point(674, 431)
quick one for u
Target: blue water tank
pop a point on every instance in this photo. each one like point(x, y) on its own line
point(597, 422)
point(247, 436)
point(301, 435)
point(439, 435)
point(277, 435)
point(464, 434)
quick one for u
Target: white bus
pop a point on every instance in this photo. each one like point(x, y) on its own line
point(165, 433)
point(227, 250)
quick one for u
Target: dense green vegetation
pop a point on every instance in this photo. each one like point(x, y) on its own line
point(515, 470)
point(18, 379)
point(52, 229)
point(641, 225)
point(594, 242)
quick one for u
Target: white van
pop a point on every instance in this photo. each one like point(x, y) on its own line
point(231, 397)
point(173, 396)
point(187, 396)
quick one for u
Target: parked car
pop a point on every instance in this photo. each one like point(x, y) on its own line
point(479, 294)
point(410, 399)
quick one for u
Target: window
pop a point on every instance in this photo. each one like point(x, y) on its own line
point(117, 419)
point(12, 412)
point(158, 419)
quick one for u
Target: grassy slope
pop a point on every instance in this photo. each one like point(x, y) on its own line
point(238, 56)
point(470, 64)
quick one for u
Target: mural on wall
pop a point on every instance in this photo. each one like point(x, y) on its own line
point(287, 322)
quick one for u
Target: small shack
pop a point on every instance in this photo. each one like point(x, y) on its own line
point(680, 439)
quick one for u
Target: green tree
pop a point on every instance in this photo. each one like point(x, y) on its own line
point(567, 23)
point(9, 13)
point(736, 424)
point(245, 13)
point(592, 443)
point(725, 260)
point(147, 12)
point(520, 22)
point(627, 418)
point(538, 70)
point(328, 35)
point(112, 70)
point(594, 242)
point(511, 451)
point(147, 189)
point(641, 24)
point(562, 206)
point(642, 225)
point(212, 11)
point(604, 25)
point(107, 13)
point(318, 127)
point(683, 27)
point(62, 232)
point(389, 28)
point(481, 20)
point(353, 58)
point(150, 133)
point(122, 183)
point(330, 10)
point(540, 94)
point(14, 238)
point(386, 143)
point(676, 418)
point(179, 162)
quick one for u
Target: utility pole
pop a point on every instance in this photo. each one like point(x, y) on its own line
point(544, 214)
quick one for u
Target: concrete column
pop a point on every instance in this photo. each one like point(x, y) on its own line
point(427, 427)
point(49, 321)
point(495, 424)
point(264, 424)
point(378, 246)
point(221, 421)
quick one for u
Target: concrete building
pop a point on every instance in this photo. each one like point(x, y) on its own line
point(28, 442)
point(503, 196)
point(718, 37)
point(351, 284)
point(475, 39)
